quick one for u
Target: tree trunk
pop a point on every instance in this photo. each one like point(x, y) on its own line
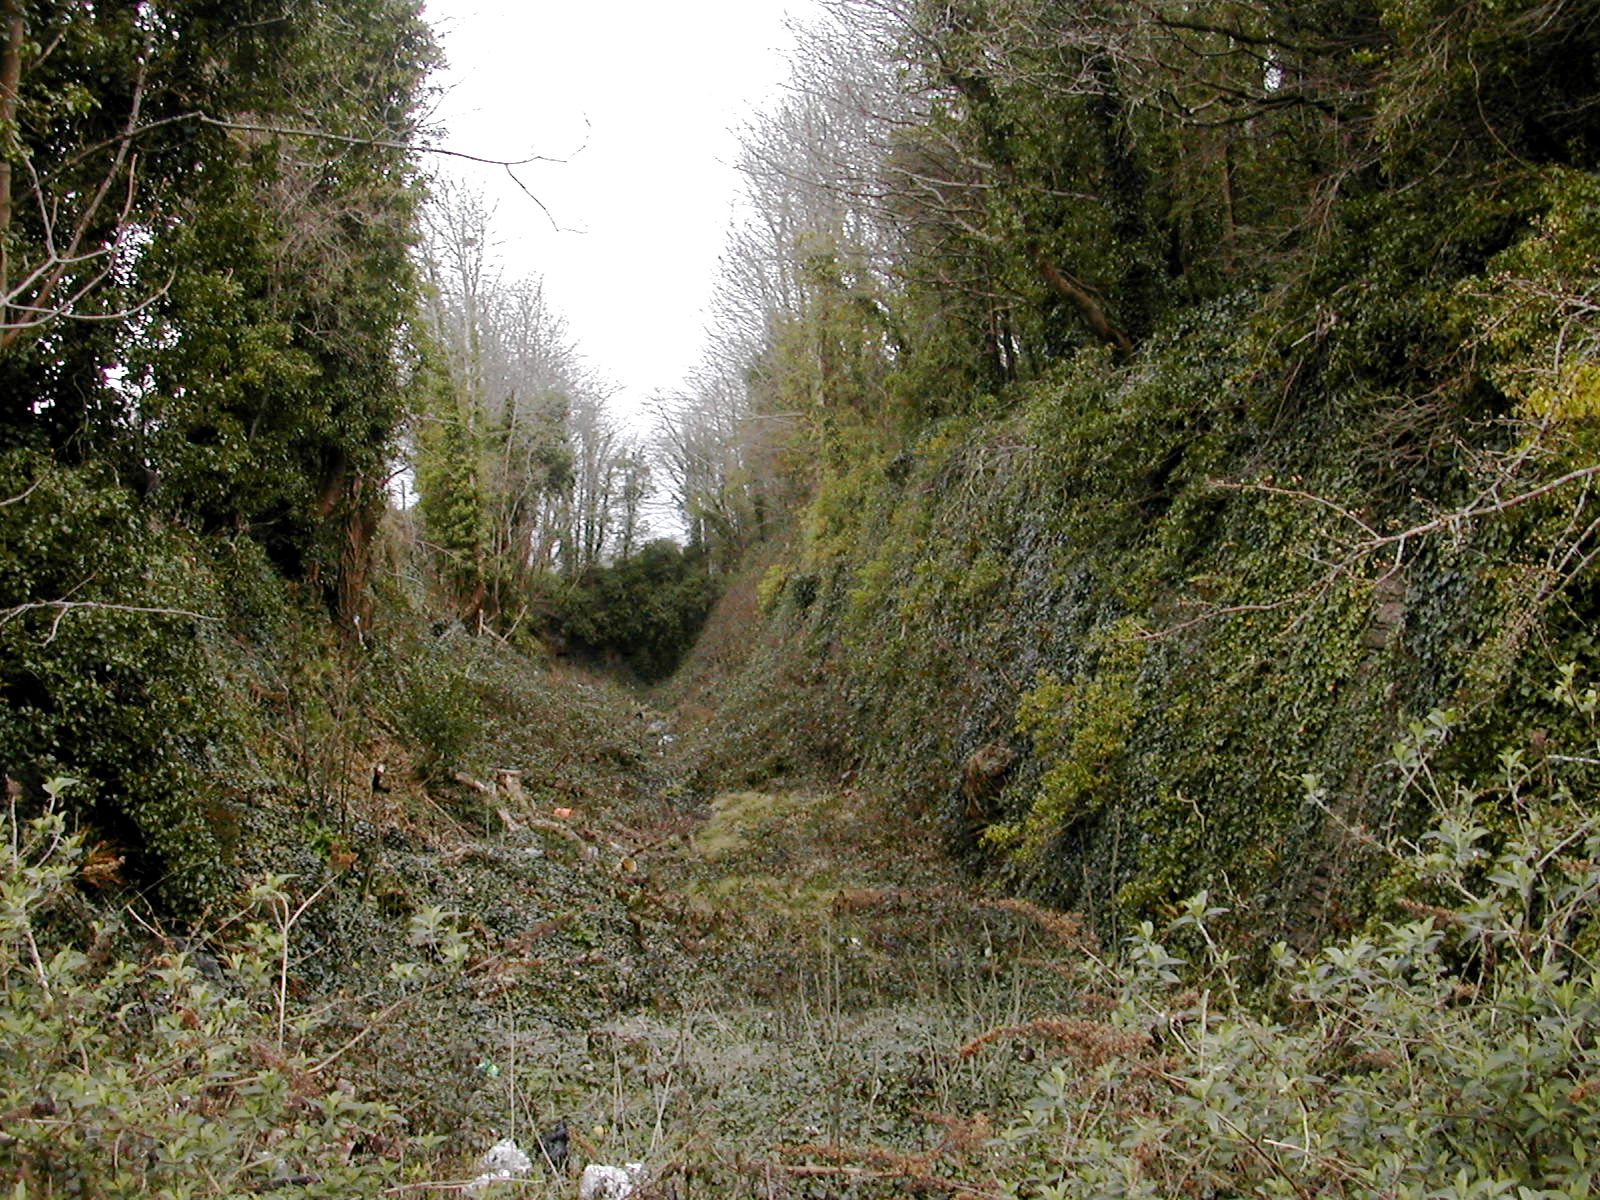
point(1229, 220)
point(354, 599)
point(10, 84)
point(1092, 311)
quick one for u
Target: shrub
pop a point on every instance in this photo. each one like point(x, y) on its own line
point(1450, 1052)
point(644, 611)
point(181, 1075)
point(435, 707)
point(127, 1079)
point(106, 621)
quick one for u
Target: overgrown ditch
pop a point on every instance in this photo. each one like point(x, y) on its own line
point(761, 992)
point(783, 991)
point(764, 992)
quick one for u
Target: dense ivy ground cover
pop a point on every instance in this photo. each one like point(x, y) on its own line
point(1162, 592)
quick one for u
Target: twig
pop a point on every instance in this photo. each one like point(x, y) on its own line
point(434, 1185)
point(370, 1025)
point(286, 925)
point(442, 1185)
point(1228, 610)
point(1294, 494)
point(323, 135)
point(65, 605)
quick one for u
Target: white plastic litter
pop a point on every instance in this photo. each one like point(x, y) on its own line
point(600, 1182)
point(504, 1160)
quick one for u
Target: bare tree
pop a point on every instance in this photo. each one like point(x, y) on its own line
point(512, 375)
point(558, 484)
point(809, 256)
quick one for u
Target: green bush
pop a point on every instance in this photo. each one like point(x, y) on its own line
point(435, 707)
point(643, 611)
point(1449, 1053)
point(180, 1075)
point(107, 621)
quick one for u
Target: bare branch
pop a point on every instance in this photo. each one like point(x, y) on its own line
point(17, 499)
point(323, 135)
point(1294, 494)
point(64, 607)
point(1573, 561)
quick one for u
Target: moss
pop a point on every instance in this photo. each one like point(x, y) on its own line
point(773, 894)
point(771, 587)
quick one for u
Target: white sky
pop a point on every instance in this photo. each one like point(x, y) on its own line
point(651, 89)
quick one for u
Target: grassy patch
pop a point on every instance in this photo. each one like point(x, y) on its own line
point(739, 819)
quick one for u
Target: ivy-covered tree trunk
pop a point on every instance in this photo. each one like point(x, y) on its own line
point(13, 31)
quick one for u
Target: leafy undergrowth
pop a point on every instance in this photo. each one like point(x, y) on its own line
point(831, 969)
point(530, 922)
point(840, 1036)
point(332, 1027)
point(786, 994)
